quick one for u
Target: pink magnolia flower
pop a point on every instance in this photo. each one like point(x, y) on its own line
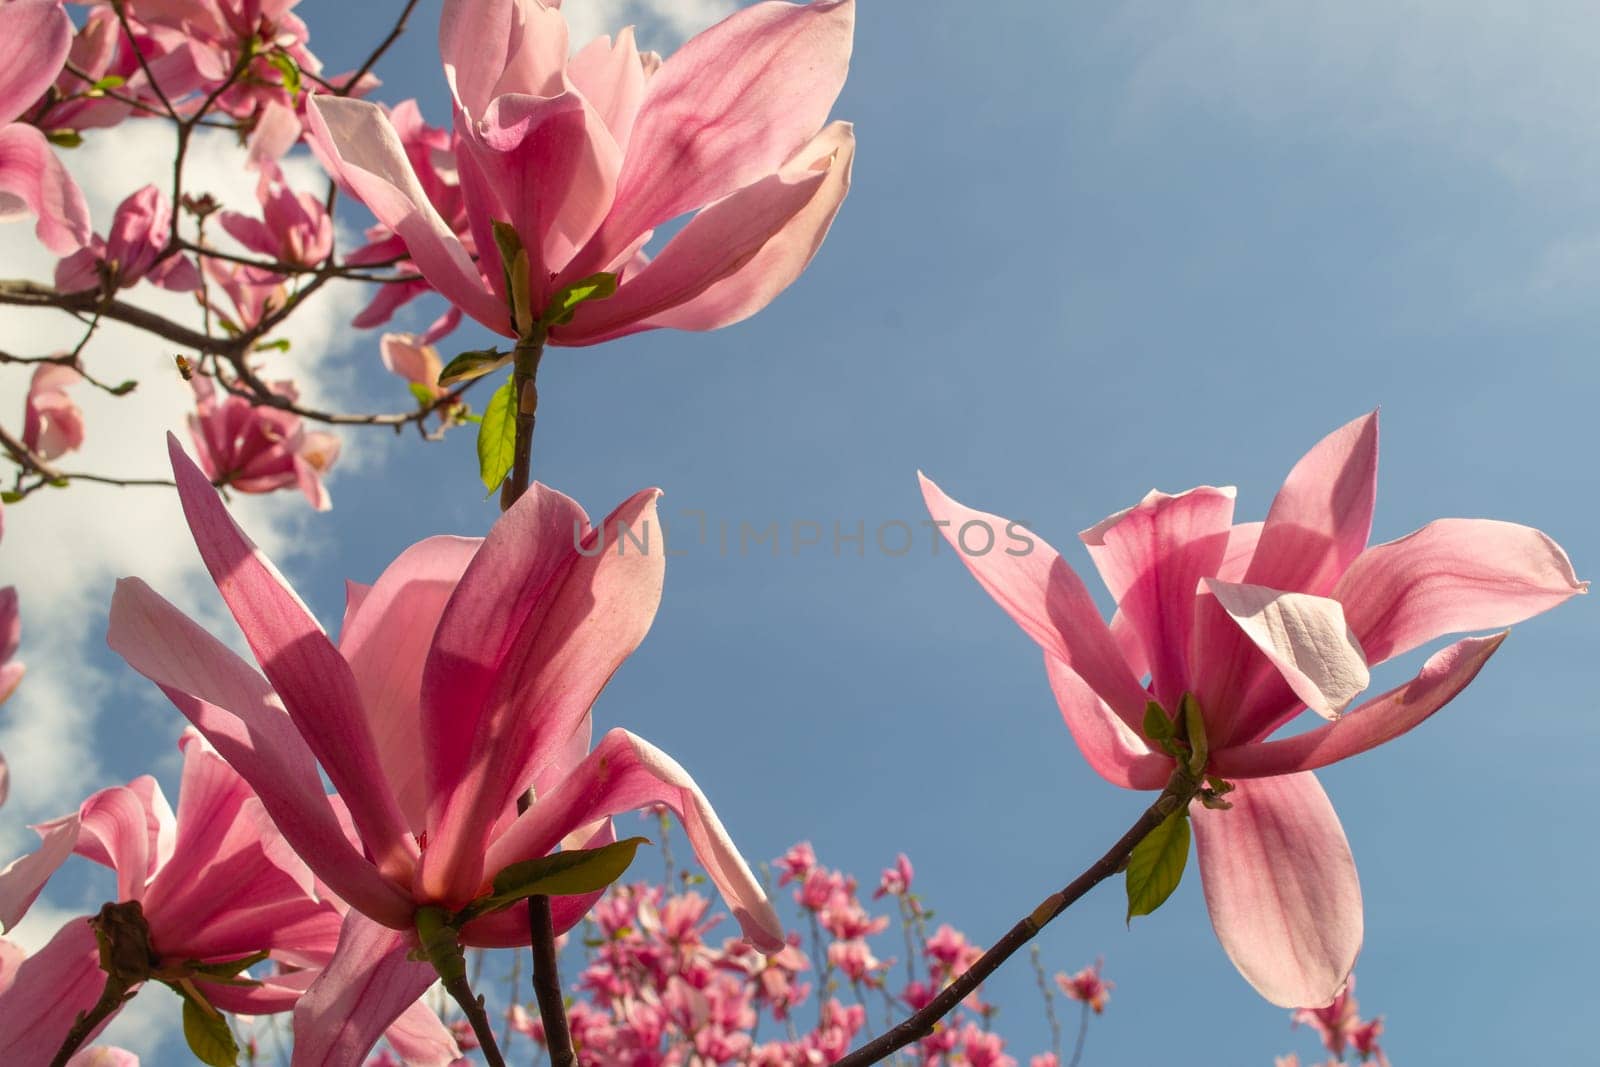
point(255, 293)
point(585, 157)
point(896, 880)
point(1258, 622)
point(406, 355)
point(259, 449)
point(33, 182)
point(214, 882)
point(52, 425)
point(1087, 986)
point(140, 230)
point(294, 228)
point(462, 678)
point(11, 669)
point(1334, 1022)
point(796, 864)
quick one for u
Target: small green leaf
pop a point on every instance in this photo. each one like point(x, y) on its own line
point(472, 365)
point(208, 1035)
point(11, 497)
point(566, 873)
point(280, 345)
point(289, 69)
point(110, 81)
point(1156, 865)
point(1194, 724)
point(423, 394)
point(497, 437)
point(64, 138)
point(565, 302)
point(229, 968)
point(508, 241)
point(124, 388)
point(1157, 727)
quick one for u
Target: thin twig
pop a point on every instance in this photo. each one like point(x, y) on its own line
point(1180, 789)
point(383, 46)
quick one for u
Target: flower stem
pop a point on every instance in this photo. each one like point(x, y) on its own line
point(1083, 1033)
point(526, 394)
point(112, 997)
point(1181, 788)
point(547, 985)
point(472, 1007)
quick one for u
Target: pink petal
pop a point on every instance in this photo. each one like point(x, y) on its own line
point(11, 957)
point(104, 1056)
point(52, 987)
point(238, 713)
point(420, 1039)
point(726, 109)
point(612, 79)
point(576, 637)
point(1045, 597)
point(33, 182)
point(367, 986)
point(1152, 557)
point(1242, 541)
point(625, 773)
point(1304, 637)
point(1115, 751)
point(510, 929)
point(1281, 887)
point(118, 823)
point(386, 640)
point(356, 142)
point(304, 667)
point(1322, 516)
point(38, 36)
point(24, 878)
point(490, 47)
point(1380, 719)
point(736, 256)
point(1451, 576)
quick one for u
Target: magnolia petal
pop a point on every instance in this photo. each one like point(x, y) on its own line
point(1045, 597)
point(1281, 887)
point(235, 709)
point(386, 641)
point(52, 987)
point(119, 826)
point(626, 773)
point(612, 78)
point(564, 656)
point(1242, 541)
point(1152, 557)
point(511, 929)
point(367, 985)
point(1116, 752)
point(1451, 576)
point(33, 182)
point(38, 35)
point(24, 878)
point(356, 143)
point(305, 669)
point(727, 108)
point(728, 284)
point(1383, 718)
point(420, 1039)
point(1305, 637)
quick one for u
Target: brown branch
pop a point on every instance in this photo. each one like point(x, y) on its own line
point(1180, 789)
point(547, 985)
point(383, 46)
point(22, 293)
point(525, 395)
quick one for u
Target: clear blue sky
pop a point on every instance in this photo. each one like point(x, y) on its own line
point(1091, 251)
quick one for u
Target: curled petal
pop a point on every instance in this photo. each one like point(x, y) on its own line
point(1305, 638)
point(33, 182)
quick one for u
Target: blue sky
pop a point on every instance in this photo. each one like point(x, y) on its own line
point(1088, 253)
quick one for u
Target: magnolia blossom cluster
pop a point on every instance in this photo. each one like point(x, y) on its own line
point(657, 985)
point(1346, 1036)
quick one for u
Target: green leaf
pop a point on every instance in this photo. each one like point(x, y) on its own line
point(11, 497)
point(64, 138)
point(509, 242)
point(472, 365)
point(208, 1035)
point(289, 69)
point(565, 302)
point(229, 968)
point(124, 388)
point(497, 437)
point(565, 873)
point(423, 394)
point(1156, 865)
point(280, 345)
point(1157, 727)
point(110, 81)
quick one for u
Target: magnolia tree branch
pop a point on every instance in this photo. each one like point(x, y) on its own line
point(547, 985)
point(1180, 789)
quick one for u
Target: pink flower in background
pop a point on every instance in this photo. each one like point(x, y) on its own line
point(1259, 621)
point(586, 156)
point(258, 449)
point(1334, 1022)
point(215, 884)
point(405, 355)
point(52, 425)
point(294, 228)
point(896, 880)
point(796, 863)
point(140, 230)
point(254, 293)
point(463, 677)
point(1087, 987)
point(33, 182)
